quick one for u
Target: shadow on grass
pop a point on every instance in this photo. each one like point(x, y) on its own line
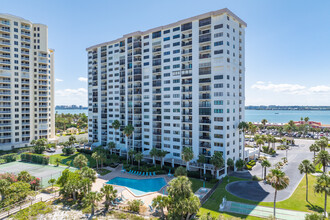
point(315, 208)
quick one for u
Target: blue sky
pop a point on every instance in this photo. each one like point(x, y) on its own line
point(287, 42)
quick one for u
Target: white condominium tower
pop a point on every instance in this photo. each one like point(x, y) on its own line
point(26, 83)
point(179, 85)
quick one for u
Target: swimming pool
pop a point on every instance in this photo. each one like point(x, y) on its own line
point(139, 186)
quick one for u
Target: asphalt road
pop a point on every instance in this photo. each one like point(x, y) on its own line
point(259, 191)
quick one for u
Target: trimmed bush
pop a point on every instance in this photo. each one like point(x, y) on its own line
point(9, 157)
point(85, 151)
point(35, 158)
point(68, 150)
point(194, 174)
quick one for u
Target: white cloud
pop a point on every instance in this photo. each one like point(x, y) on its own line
point(320, 89)
point(71, 97)
point(82, 79)
point(58, 80)
point(284, 87)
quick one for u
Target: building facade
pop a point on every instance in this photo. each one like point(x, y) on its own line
point(179, 85)
point(26, 83)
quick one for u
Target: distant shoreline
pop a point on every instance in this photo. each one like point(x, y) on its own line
point(289, 108)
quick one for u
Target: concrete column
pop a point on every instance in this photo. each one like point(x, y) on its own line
point(204, 168)
point(173, 162)
point(187, 165)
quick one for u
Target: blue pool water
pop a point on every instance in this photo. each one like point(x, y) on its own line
point(139, 187)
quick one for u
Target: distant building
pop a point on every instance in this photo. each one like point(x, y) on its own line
point(26, 82)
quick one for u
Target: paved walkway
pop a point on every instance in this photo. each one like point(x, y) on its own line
point(259, 191)
point(262, 211)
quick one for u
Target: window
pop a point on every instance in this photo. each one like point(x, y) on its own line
point(176, 66)
point(156, 34)
point(218, 77)
point(218, 102)
point(167, 38)
point(176, 51)
point(218, 52)
point(176, 58)
point(218, 26)
point(167, 45)
point(167, 53)
point(218, 43)
point(167, 60)
point(218, 35)
point(176, 29)
point(176, 44)
point(218, 110)
point(218, 85)
point(167, 31)
point(176, 36)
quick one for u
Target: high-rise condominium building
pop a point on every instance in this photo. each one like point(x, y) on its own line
point(26, 82)
point(179, 85)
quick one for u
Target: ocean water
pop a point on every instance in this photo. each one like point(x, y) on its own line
point(71, 111)
point(283, 116)
point(273, 116)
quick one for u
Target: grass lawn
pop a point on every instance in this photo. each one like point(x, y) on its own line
point(65, 158)
point(295, 202)
point(197, 183)
point(103, 172)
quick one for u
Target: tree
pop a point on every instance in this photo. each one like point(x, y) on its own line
point(128, 131)
point(134, 205)
point(92, 198)
point(153, 153)
point(80, 161)
point(51, 182)
point(24, 176)
point(138, 157)
point(264, 122)
point(181, 204)
point(230, 163)
point(323, 186)
point(259, 142)
point(58, 161)
point(160, 202)
point(314, 148)
point(322, 143)
point(131, 153)
point(4, 184)
point(111, 146)
point(110, 195)
point(279, 181)
point(243, 126)
point(116, 125)
point(180, 171)
point(161, 154)
point(39, 145)
point(72, 140)
point(324, 158)
point(306, 167)
point(89, 173)
point(187, 155)
point(240, 164)
point(265, 164)
point(17, 191)
point(217, 161)
point(96, 156)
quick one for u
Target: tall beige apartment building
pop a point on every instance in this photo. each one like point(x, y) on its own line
point(26, 83)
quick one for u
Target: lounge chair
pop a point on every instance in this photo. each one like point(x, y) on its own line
point(146, 173)
point(140, 173)
point(151, 209)
point(150, 173)
point(154, 173)
point(143, 174)
point(134, 172)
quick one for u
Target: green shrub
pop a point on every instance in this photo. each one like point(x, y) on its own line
point(35, 158)
point(9, 157)
point(314, 216)
point(194, 174)
point(180, 171)
point(255, 178)
point(34, 210)
point(68, 150)
point(134, 205)
point(85, 151)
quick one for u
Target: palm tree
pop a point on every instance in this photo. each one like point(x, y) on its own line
point(187, 155)
point(278, 181)
point(138, 157)
point(92, 198)
point(323, 142)
point(259, 143)
point(110, 194)
point(128, 131)
point(4, 184)
point(315, 148)
point(131, 153)
point(265, 164)
point(324, 158)
point(264, 122)
point(243, 126)
point(202, 160)
point(160, 202)
point(323, 186)
point(52, 181)
point(161, 154)
point(217, 161)
point(80, 161)
point(58, 161)
point(116, 125)
point(96, 157)
point(111, 146)
point(153, 154)
point(306, 167)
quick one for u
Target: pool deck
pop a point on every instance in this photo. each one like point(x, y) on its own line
point(147, 199)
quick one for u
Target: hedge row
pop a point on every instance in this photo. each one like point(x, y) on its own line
point(9, 157)
point(35, 158)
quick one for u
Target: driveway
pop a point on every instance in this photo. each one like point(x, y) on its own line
point(259, 191)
